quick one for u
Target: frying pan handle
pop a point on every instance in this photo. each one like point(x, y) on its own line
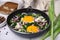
point(45, 10)
point(29, 7)
point(32, 8)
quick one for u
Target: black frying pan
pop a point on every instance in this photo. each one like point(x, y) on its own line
point(28, 10)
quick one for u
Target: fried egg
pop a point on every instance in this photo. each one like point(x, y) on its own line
point(33, 29)
point(28, 19)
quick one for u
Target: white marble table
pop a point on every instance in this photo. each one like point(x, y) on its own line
point(12, 36)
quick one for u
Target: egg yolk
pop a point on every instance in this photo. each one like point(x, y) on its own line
point(28, 19)
point(32, 29)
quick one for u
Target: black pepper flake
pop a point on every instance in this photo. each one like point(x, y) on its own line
point(6, 33)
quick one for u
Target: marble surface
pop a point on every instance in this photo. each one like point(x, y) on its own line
point(7, 34)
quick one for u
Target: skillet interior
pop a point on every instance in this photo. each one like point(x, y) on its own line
point(26, 10)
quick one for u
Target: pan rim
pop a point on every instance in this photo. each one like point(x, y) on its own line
point(34, 10)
